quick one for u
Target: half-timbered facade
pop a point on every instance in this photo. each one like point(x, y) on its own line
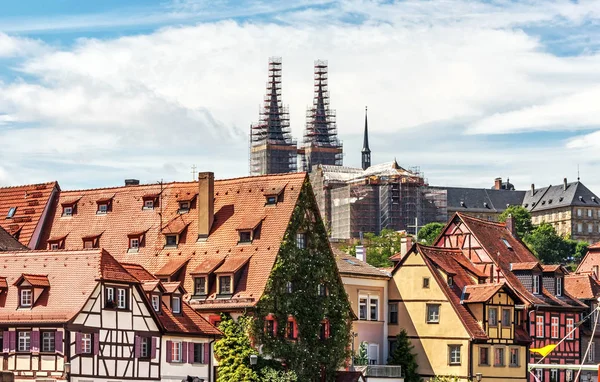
point(459, 325)
point(550, 311)
point(81, 316)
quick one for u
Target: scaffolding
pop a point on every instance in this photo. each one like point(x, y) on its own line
point(272, 148)
point(320, 144)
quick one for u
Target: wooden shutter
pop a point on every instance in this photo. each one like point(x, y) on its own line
point(78, 343)
point(153, 349)
point(184, 352)
point(13, 341)
point(6, 341)
point(137, 346)
point(191, 349)
point(96, 337)
point(206, 352)
point(35, 341)
point(58, 341)
point(295, 329)
point(169, 351)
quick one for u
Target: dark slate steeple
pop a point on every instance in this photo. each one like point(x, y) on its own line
point(366, 151)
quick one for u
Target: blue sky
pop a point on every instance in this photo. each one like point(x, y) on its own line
point(92, 92)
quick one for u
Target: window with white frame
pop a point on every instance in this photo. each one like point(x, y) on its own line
point(301, 240)
point(176, 302)
point(554, 327)
point(176, 351)
point(24, 341)
point(559, 286)
point(26, 298)
point(144, 347)
point(48, 342)
point(149, 204)
point(121, 298)
point(134, 243)
point(156, 302)
point(570, 326)
point(433, 313)
point(590, 228)
point(536, 284)
point(362, 307)
point(110, 296)
point(86, 343)
point(590, 213)
point(553, 374)
point(102, 208)
point(539, 326)
point(454, 354)
point(539, 373)
point(579, 212)
point(368, 307)
point(373, 308)
point(592, 352)
point(67, 211)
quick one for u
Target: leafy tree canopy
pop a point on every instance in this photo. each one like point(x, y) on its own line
point(381, 247)
point(403, 355)
point(429, 232)
point(521, 217)
point(547, 245)
point(233, 351)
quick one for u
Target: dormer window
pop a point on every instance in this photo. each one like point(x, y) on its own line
point(245, 237)
point(559, 286)
point(55, 243)
point(200, 286)
point(536, 284)
point(184, 207)
point(249, 228)
point(156, 302)
point(53, 246)
point(271, 199)
point(176, 304)
point(134, 243)
point(91, 241)
point(171, 240)
point(225, 285)
point(149, 204)
point(26, 298)
point(11, 212)
point(104, 205)
point(67, 211)
point(273, 195)
point(450, 280)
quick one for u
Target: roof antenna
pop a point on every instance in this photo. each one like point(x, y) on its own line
point(578, 172)
point(193, 172)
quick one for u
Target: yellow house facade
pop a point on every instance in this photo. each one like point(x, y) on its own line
point(458, 326)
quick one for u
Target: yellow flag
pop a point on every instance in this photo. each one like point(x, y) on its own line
point(544, 351)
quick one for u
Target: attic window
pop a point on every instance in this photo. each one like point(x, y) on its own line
point(134, 243)
point(25, 297)
point(149, 204)
point(450, 280)
point(507, 243)
point(485, 204)
point(350, 262)
point(581, 198)
point(67, 211)
point(271, 200)
point(245, 237)
point(102, 208)
point(184, 207)
point(176, 304)
point(171, 240)
point(11, 212)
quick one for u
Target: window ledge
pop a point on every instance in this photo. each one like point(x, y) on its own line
point(133, 250)
point(170, 246)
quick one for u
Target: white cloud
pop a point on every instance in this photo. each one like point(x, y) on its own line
point(14, 47)
point(429, 71)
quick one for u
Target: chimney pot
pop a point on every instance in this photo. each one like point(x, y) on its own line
point(532, 189)
point(132, 182)
point(565, 184)
point(206, 204)
point(510, 225)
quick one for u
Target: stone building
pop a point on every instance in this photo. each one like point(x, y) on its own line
point(571, 208)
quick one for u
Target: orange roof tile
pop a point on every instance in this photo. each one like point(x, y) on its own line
point(233, 264)
point(480, 293)
point(250, 222)
point(171, 267)
point(31, 202)
point(274, 189)
point(172, 286)
point(232, 200)
point(584, 287)
point(3, 283)
point(208, 266)
point(140, 273)
point(189, 321)
point(150, 286)
point(70, 201)
point(175, 226)
point(92, 236)
point(526, 266)
point(35, 280)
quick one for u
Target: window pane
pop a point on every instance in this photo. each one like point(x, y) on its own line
point(374, 309)
point(362, 308)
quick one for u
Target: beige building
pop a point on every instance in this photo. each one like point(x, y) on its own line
point(571, 208)
point(367, 289)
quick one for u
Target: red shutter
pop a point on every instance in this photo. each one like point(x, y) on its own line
point(184, 352)
point(327, 329)
point(191, 349)
point(169, 351)
point(137, 346)
point(13, 341)
point(96, 337)
point(295, 329)
point(274, 327)
point(206, 353)
point(78, 343)
point(35, 341)
point(153, 349)
point(58, 341)
point(6, 341)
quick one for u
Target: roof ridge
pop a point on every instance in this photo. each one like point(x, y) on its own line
point(497, 224)
point(114, 187)
point(27, 252)
point(29, 185)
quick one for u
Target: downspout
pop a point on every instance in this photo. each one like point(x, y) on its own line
point(470, 372)
point(210, 359)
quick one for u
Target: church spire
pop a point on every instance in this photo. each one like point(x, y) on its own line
point(366, 151)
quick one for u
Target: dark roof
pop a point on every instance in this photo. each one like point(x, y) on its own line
point(351, 266)
point(481, 199)
point(545, 198)
point(8, 242)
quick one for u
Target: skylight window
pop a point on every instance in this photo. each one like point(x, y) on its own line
point(11, 212)
point(350, 262)
point(507, 243)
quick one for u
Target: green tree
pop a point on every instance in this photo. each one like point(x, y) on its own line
point(521, 217)
point(444, 378)
point(269, 374)
point(429, 232)
point(547, 245)
point(381, 247)
point(403, 355)
point(362, 358)
point(233, 351)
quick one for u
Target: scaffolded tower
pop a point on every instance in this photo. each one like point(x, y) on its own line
point(320, 144)
point(272, 149)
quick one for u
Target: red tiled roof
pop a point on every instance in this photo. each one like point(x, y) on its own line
point(351, 266)
point(591, 259)
point(92, 236)
point(112, 270)
point(250, 221)
point(3, 283)
point(172, 286)
point(139, 272)
point(188, 322)
point(480, 293)
point(493, 238)
point(582, 286)
point(274, 189)
point(31, 201)
point(40, 281)
point(175, 226)
point(233, 199)
point(233, 264)
point(72, 276)
point(553, 268)
point(208, 266)
point(105, 198)
point(171, 267)
point(70, 201)
point(150, 286)
point(526, 266)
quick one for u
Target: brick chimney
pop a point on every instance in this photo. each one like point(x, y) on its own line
point(206, 204)
point(510, 225)
point(565, 184)
point(498, 184)
point(532, 189)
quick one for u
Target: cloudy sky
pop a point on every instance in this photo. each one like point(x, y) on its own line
point(93, 92)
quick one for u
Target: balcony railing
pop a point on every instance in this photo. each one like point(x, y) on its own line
point(387, 371)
